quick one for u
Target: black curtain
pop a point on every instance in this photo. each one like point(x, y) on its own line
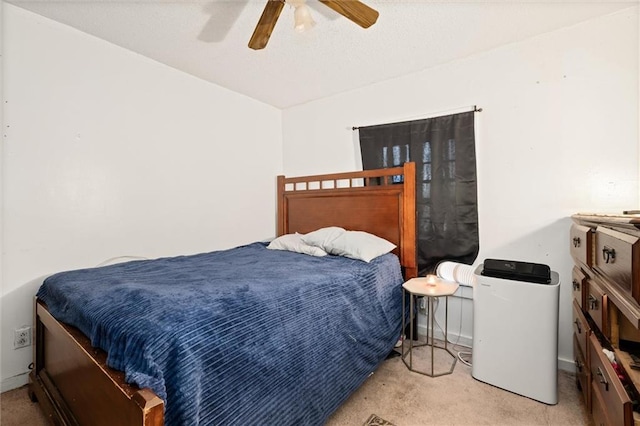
point(443, 149)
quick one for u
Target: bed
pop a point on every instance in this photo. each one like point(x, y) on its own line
point(291, 343)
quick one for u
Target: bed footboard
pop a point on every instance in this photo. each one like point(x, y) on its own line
point(74, 386)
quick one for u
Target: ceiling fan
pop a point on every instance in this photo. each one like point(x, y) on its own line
point(354, 10)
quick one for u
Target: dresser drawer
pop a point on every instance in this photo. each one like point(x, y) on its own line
point(583, 374)
point(596, 302)
point(617, 257)
point(580, 243)
point(607, 390)
point(578, 281)
point(581, 328)
point(598, 409)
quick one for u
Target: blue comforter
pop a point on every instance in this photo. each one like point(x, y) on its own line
point(243, 336)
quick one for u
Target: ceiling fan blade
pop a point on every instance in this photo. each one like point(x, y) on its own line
point(265, 25)
point(354, 10)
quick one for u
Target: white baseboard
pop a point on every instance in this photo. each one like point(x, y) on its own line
point(467, 341)
point(567, 365)
point(14, 382)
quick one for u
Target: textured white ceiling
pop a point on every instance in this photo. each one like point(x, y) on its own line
point(208, 39)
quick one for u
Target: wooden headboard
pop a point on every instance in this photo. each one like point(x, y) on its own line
point(381, 202)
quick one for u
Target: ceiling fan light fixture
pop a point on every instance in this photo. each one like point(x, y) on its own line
point(303, 20)
point(354, 10)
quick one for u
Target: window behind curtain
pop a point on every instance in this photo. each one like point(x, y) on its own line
point(443, 149)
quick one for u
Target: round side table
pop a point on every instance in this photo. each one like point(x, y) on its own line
point(430, 287)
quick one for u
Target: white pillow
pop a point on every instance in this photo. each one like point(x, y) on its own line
point(359, 245)
point(323, 236)
point(353, 244)
point(293, 242)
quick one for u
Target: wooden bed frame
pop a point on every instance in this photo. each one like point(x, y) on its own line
point(364, 201)
point(70, 378)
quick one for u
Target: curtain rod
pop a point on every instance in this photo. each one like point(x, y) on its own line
point(472, 108)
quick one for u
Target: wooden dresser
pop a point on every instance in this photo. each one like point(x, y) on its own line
point(606, 314)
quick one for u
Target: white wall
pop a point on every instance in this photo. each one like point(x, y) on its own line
point(109, 153)
point(558, 135)
point(2, 128)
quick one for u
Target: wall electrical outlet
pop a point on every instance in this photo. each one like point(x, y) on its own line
point(21, 337)
point(422, 306)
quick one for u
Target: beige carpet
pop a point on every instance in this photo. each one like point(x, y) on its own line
point(17, 409)
point(404, 398)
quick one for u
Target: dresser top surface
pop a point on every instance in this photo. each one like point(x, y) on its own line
point(615, 218)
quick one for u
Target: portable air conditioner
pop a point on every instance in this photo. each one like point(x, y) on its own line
point(515, 333)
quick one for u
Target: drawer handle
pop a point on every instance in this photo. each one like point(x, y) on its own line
point(603, 380)
point(593, 303)
point(576, 242)
point(608, 254)
point(578, 365)
point(576, 285)
point(577, 323)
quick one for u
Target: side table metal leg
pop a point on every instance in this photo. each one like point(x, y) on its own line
point(411, 331)
point(446, 319)
point(431, 318)
point(428, 313)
